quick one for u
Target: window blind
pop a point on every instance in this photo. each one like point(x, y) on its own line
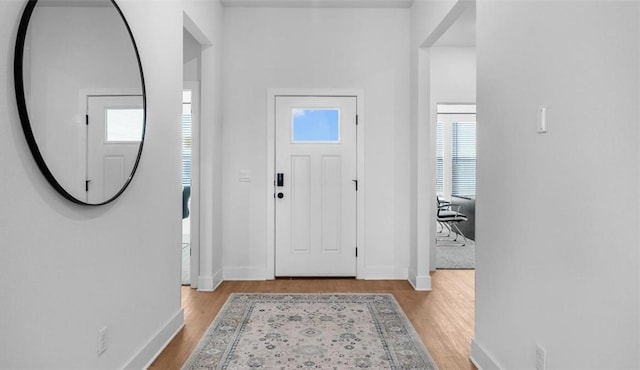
point(463, 158)
point(186, 144)
point(440, 158)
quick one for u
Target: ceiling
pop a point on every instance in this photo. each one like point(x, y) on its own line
point(319, 3)
point(462, 32)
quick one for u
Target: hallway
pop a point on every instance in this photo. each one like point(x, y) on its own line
point(443, 317)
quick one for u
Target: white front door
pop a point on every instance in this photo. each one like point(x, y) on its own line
point(114, 132)
point(315, 186)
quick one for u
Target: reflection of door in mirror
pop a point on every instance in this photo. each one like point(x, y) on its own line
point(114, 132)
point(65, 52)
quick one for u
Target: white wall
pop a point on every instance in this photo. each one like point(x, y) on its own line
point(453, 75)
point(191, 58)
point(327, 49)
point(557, 214)
point(67, 270)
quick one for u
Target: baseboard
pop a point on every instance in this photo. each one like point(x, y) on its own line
point(386, 273)
point(209, 283)
point(259, 273)
point(205, 283)
point(217, 279)
point(244, 273)
point(420, 283)
point(481, 358)
point(144, 357)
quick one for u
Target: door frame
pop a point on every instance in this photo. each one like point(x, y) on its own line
point(270, 176)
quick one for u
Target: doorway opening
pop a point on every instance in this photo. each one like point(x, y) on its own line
point(190, 159)
point(448, 67)
point(186, 152)
point(455, 186)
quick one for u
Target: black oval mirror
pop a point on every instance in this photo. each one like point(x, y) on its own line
point(81, 96)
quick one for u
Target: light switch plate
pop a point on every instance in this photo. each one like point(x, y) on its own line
point(245, 176)
point(542, 120)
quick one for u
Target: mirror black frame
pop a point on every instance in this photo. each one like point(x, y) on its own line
point(18, 76)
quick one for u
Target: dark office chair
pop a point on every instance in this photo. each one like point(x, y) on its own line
point(448, 216)
point(186, 193)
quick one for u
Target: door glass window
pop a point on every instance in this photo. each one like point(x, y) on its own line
point(315, 125)
point(124, 125)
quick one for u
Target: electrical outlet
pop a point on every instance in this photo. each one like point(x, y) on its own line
point(541, 358)
point(102, 340)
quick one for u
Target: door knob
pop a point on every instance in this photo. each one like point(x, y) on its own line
point(280, 195)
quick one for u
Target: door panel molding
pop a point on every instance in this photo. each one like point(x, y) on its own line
point(300, 193)
point(331, 201)
point(271, 176)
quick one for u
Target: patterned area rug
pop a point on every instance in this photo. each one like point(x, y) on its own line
point(310, 331)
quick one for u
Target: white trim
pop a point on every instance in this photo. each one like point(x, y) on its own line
point(455, 108)
point(209, 283)
point(244, 273)
point(205, 283)
point(481, 358)
point(217, 279)
point(83, 93)
point(425, 177)
point(385, 272)
point(420, 283)
point(269, 272)
point(149, 352)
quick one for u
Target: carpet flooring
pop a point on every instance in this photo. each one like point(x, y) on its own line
point(186, 263)
point(456, 257)
point(310, 331)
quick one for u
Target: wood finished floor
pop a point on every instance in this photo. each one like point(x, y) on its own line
point(443, 317)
